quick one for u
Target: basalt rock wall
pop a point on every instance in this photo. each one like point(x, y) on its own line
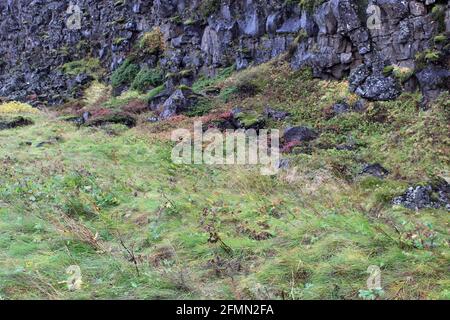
point(362, 40)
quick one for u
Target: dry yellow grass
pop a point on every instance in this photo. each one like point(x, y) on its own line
point(96, 93)
point(16, 107)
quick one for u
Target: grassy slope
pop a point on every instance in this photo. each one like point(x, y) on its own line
point(73, 202)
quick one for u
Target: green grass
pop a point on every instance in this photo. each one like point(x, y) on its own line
point(76, 201)
point(147, 78)
point(125, 73)
point(89, 66)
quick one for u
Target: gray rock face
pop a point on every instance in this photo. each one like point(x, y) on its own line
point(336, 39)
point(433, 80)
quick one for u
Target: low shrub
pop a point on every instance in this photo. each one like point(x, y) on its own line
point(152, 42)
point(146, 78)
point(124, 74)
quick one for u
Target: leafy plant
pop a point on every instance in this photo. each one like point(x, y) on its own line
point(125, 74)
point(152, 42)
point(146, 78)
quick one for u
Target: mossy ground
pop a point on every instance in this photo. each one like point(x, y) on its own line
point(94, 194)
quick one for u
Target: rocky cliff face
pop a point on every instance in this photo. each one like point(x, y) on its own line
point(383, 46)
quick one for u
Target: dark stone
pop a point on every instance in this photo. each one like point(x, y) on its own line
point(117, 91)
point(340, 108)
point(358, 76)
point(83, 79)
point(76, 120)
point(376, 170)
point(283, 164)
point(276, 114)
point(346, 147)
point(86, 115)
point(152, 119)
point(379, 88)
point(179, 101)
point(433, 81)
point(299, 134)
point(49, 142)
point(360, 105)
point(158, 100)
point(428, 196)
point(334, 41)
point(124, 119)
point(14, 123)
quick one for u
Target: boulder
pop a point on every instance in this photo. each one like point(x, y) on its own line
point(378, 87)
point(124, 119)
point(340, 108)
point(375, 169)
point(433, 81)
point(17, 122)
point(299, 134)
point(181, 100)
point(422, 197)
point(276, 115)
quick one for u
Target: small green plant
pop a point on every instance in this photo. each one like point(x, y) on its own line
point(125, 74)
point(400, 73)
point(118, 41)
point(308, 5)
point(202, 107)
point(388, 70)
point(204, 82)
point(146, 78)
point(432, 55)
point(154, 92)
point(441, 38)
point(427, 56)
point(370, 294)
point(152, 42)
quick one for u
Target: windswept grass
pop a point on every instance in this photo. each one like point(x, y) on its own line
point(141, 227)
